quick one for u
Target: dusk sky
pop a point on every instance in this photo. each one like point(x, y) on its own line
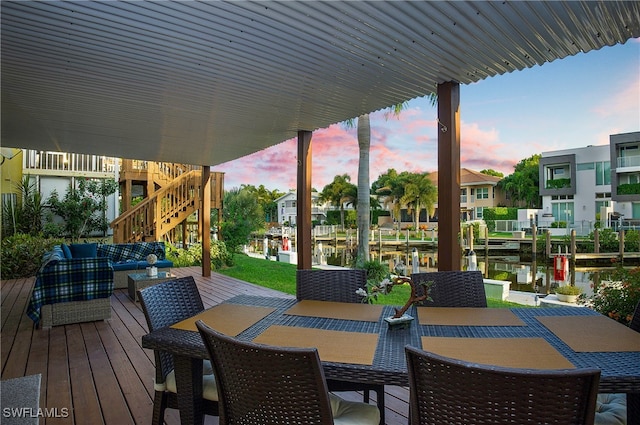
point(569, 103)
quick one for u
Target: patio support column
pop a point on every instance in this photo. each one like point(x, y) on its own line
point(303, 218)
point(205, 220)
point(449, 251)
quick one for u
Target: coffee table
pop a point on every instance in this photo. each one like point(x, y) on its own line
point(138, 281)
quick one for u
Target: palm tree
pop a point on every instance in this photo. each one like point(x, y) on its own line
point(419, 192)
point(363, 209)
point(339, 192)
point(364, 186)
point(390, 186)
point(266, 198)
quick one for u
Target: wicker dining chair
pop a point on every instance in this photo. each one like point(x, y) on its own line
point(615, 409)
point(452, 288)
point(449, 391)
point(163, 305)
point(262, 384)
point(338, 285)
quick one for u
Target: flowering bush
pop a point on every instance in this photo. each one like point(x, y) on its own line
point(618, 296)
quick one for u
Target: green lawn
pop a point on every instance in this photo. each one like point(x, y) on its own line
point(282, 277)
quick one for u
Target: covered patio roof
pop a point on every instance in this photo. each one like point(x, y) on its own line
point(208, 82)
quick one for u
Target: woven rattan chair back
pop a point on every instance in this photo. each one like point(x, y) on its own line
point(330, 285)
point(168, 303)
point(339, 286)
point(449, 391)
point(163, 305)
point(452, 288)
point(260, 384)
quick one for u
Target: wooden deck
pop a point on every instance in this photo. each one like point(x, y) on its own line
point(97, 371)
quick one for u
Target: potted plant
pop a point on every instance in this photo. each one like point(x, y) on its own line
point(568, 293)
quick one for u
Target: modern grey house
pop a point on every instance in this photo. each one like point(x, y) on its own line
point(596, 183)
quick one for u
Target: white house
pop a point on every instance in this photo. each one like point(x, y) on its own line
point(288, 208)
point(583, 185)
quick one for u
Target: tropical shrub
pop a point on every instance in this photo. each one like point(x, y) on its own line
point(617, 294)
point(24, 216)
point(242, 215)
point(83, 207)
point(21, 254)
point(376, 271)
point(632, 240)
point(608, 240)
point(192, 256)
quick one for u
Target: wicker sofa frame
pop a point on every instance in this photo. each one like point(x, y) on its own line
point(74, 312)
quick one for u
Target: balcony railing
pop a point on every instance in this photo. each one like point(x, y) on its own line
point(629, 161)
point(68, 162)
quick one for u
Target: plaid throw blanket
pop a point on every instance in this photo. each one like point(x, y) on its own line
point(77, 279)
point(131, 251)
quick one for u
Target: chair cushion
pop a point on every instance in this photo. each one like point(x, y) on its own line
point(353, 412)
point(611, 409)
point(209, 389)
point(207, 369)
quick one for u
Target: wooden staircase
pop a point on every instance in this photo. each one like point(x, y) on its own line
point(161, 212)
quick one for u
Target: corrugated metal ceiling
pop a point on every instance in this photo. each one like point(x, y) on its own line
point(208, 82)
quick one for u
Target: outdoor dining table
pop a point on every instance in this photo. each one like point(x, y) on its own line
point(356, 344)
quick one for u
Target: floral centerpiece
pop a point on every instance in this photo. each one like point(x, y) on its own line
point(384, 287)
point(152, 259)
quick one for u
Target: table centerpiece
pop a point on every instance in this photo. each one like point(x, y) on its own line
point(400, 319)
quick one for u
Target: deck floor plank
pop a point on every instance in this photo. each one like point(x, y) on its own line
point(133, 383)
point(58, 395)
point(83, 391)
point(99, 370)
point(20, 329)
point(110, 394)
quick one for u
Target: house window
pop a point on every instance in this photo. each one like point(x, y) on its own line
point(585, 166)
point(600, 204)
point(482, 193)
point(563, 211)
point(479, 211)
point(463, 196)
point(603, 173)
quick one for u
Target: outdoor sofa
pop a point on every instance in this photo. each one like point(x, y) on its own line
point(75, 282)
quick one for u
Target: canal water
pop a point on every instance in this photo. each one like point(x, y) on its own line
point(535, 277)
point(525, 276)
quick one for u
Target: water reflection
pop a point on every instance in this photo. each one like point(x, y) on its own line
point(532, 276)
point(536, 277)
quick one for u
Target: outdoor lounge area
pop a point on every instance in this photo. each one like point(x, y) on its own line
point(99, 371)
